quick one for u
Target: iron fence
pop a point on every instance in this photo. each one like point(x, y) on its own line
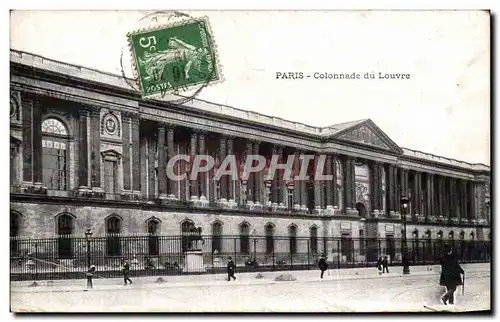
point(68, 257)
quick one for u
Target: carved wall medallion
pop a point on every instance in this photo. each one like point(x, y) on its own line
point(110, 125)
point(14, 107)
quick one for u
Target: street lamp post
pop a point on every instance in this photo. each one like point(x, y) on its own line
point(88, 234)
point(404, 206)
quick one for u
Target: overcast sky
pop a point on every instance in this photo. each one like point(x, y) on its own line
point(443, 109)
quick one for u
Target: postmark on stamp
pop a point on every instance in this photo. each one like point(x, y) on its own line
point(174, 58)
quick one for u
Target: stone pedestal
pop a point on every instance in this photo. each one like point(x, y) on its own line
point(193, 262)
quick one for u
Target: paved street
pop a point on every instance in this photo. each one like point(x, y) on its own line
point(356, 290)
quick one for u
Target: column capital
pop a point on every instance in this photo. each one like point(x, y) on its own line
point(128, 115)
point(83, 112)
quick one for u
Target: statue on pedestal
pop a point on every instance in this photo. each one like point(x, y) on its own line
point(194, 237)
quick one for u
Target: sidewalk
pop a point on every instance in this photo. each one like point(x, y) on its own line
point(243, 279)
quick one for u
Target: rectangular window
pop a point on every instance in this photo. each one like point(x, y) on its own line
point(54, 164)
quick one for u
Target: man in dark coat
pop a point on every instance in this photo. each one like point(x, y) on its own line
point(385, 265)
point(450, 275)
point(126, 272)
point(230, 269)
point(322, 264)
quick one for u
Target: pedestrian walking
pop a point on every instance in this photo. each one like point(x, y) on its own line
point(230, 269)
point(385, 265)
point(322, 264)
point(90, 275)
point(126, 272)
point(379, 265)
point(450, 275)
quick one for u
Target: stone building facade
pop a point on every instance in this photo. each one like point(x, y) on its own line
point(88, 152)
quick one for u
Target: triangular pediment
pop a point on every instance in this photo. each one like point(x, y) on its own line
point(367, 133)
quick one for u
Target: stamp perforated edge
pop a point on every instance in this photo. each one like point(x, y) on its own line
point(215, 50)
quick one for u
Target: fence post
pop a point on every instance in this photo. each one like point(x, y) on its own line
point(274, 261)
point(308, 262)
point(338, 253)
point(234, 245)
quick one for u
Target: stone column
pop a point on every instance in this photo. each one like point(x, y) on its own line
point(347, 183)
point(230, 179)
point(37, 143)
point(83, 148)
point(151, 169)
point(251, 176)
point(136, 159)
point(446, 197)
point(192, 152)
point(433, 208)
point(172, 184)
point(257, 177)
point(428, 195)
point(352, 164)
point(296, 183)
point(389, 188)
point(397, 190)
point(303, 187)
point(223, 179)
point(279, 176)
point(380, 176)
point(440, 195)
point(471, 201)
point(464, 211)
point(27, 134)
point(317, 188)
point(453, 198)
point(329, 183)
point(95, 154)
point(274, 181)
point(126, 164)
point(334, 197)
point(373, 186)
point(202, 176)
point(414, 195)
point(162, 163)
point(421, 206)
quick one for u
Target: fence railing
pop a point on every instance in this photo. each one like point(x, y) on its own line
point(69, 257)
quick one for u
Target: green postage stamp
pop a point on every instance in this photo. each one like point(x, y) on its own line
point(175, 58)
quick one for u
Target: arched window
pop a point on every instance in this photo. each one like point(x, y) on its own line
point(113, 230)
point(313, 239)
point(217, 236)
point(15, 221)
point(269, 238)
point(292, 234)
point(186, 227)
point(245, 238)
point(65, 226)
point(55, 154)
point(153, 242)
